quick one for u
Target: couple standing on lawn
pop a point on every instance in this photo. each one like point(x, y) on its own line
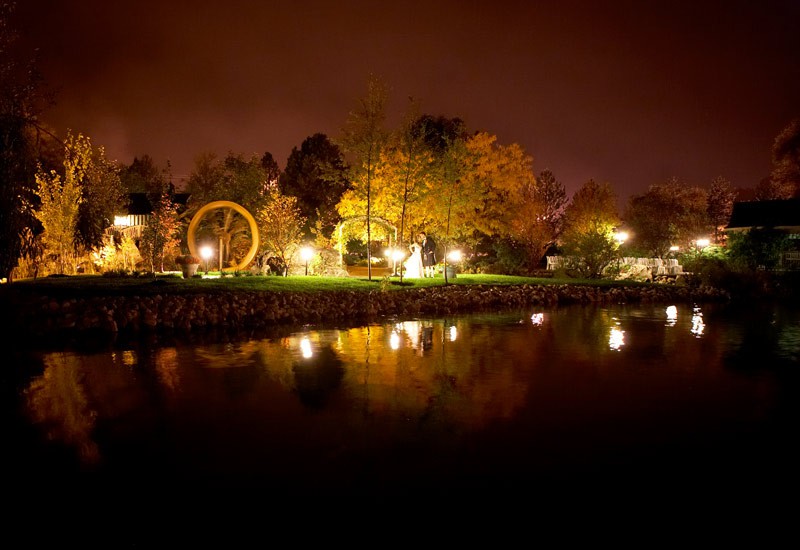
point(422, 262)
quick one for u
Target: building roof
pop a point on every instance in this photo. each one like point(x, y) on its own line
point(140, 205)
point(777, 214)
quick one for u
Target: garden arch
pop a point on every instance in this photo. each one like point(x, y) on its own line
point(198, 217)
point(382, 221)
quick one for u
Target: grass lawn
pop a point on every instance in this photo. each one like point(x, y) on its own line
point(175, 283)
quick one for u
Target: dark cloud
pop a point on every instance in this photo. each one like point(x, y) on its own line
point(627, 92)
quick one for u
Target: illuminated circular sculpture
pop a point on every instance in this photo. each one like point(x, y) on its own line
point(198, 217)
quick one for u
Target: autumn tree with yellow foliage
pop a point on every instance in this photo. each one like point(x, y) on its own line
point(60, 198)
point(590, 221)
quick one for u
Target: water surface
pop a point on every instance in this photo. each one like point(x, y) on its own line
point(569, 402)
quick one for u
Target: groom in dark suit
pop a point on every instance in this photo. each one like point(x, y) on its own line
point(428, 254)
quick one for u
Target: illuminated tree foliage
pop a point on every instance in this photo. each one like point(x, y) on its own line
point(102, 197)
point(59, 201)
point(409, 166)
point(363, 139)
point(280, 224)
point(161, 235)
point(537, 220)
point(590, 220)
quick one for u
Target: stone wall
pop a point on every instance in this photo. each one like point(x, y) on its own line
point(45, 315)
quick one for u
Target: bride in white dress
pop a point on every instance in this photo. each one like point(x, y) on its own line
point(413, 264)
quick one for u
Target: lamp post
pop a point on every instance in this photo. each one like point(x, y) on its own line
point(206, 253)
point(306, 253)
point(397, 256)
point(455, 257)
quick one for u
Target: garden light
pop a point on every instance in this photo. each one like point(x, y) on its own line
point(306, 253)
point(206, 252)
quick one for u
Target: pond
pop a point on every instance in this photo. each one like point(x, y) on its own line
point(574, 400)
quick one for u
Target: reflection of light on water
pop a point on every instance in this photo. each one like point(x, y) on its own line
point(616, 339)
point(672, 316)
point(697, 322)
point(537, 319)
point(129, 358)
point(453, 333)
point(394, 340)
point(789, 343)
point(305, 347)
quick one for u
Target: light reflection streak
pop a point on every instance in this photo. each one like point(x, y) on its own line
point(305, 347)
point(394, 340)
point(672, 316)
point(616, 339)
point(453, 333)
point(698, 326)
point(537, 319)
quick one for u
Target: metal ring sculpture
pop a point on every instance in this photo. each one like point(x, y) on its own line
point(225, 204)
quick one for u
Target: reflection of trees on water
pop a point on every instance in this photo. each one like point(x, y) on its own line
point(317, 377)
point(419, 370)
point(57, 401)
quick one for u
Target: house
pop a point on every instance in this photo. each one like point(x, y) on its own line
point(780, 215)
point(132, 221)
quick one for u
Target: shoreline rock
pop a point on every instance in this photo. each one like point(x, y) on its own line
point(44, 316)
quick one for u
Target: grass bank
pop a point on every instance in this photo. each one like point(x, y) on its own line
point(96, 285)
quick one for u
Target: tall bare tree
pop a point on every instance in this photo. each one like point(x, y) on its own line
point(363, 139)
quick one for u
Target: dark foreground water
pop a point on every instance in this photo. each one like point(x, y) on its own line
point(663, 406)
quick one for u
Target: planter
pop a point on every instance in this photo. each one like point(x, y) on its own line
point(189, 270)
point(450, 271)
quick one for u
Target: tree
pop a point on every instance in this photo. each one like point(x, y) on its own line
point(537, 221)
point(161, 235)
point(271, 170)
point(59, 202)
point(590, 220)
point(785, 175)
point(281, 227)
point(410, 164)
point(102, 196)
point(758, 248)
point(140, 175)
point(363, 138)
point(23, 142)
point(316, 175)
point(720, 205)
point(668, 214)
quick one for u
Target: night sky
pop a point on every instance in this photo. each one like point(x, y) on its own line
point(626, 92)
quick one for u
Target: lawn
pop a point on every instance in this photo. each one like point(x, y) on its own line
point(174, 283)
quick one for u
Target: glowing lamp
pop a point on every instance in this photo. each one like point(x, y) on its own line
point(206, 252)
point(306, 253)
